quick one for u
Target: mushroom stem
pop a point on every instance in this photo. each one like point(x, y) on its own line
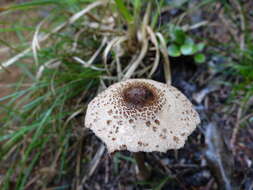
point(144, 172)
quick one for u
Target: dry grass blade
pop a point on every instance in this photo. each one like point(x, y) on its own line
point(53, 63)
point(195, 26)
point(118, 64)
point(14, 59)
point(94, 56)
point(166, 65)
point(116, 41)
point(136, 63)
point(75, 43)
point(75, 17)
point(35, 41)
point(157, 56)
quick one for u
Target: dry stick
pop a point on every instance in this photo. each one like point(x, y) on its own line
point(72, 19)
point(236, 129)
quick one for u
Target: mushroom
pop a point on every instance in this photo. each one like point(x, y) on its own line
point(141, 115)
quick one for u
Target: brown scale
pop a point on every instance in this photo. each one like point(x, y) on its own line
point(148, 123)
point(131, 120)
point(109, 122)
point(110, 112)
point(157, 122)
point(162, 136)
point(120, 122)
point(176, 139)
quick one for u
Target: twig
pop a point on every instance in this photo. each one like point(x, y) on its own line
point(236, 129)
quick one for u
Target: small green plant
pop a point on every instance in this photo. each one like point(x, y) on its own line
point(182, 44)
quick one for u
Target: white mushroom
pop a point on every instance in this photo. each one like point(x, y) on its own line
point(141, 115)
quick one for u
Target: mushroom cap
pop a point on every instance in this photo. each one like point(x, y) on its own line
point(141, 115)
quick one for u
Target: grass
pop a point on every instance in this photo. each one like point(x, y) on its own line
point(90, 46)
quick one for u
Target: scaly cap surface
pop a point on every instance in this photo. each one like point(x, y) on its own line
point(141, 115)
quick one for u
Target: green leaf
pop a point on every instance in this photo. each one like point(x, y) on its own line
point(124, 11)
point(200, 58)
point(200, 46)
point(189, 41)
point(187, 49)
point(178, 36)
point(195, 49)
point(174, 50)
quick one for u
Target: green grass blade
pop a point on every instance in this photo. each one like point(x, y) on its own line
point(124, 11)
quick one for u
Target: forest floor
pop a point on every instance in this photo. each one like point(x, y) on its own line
point(64, 155)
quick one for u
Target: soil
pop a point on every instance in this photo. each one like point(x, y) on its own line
point(7, 78)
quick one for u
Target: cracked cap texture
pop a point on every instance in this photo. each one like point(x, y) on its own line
point(141, 115)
